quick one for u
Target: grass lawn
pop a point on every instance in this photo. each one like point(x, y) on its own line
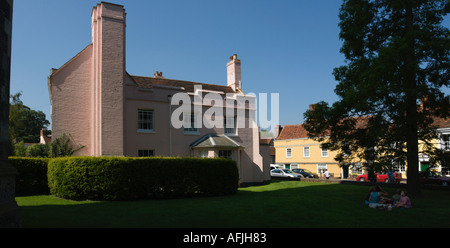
point(279, 204)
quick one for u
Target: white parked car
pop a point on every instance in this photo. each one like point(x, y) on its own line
point(284, 173)
point(274, 166)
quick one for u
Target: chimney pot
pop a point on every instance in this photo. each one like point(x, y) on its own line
point(158, 74)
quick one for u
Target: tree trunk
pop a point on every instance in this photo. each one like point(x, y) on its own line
point(412, 146)
point(412, 142)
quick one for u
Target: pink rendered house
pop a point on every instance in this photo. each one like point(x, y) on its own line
point(111, 113)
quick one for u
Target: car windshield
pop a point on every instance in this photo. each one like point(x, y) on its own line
point(287, 171)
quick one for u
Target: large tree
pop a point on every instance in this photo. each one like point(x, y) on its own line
point(397, 64)
point(25, 124)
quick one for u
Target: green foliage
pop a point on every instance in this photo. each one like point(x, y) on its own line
point(19, 149)
point(61, 147)
point(38, 150)
point(397, 56)
point(32, 177)
point(25, 124)
point(113, 178)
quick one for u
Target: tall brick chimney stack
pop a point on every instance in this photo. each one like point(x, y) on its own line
point(234, 73)
point(108, 39)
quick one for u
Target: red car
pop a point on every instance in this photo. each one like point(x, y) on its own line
point(380, 177)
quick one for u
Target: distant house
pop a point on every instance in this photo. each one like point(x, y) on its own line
point(112, 113)
point(295, 149)
point(442, 142)
point(45, 138)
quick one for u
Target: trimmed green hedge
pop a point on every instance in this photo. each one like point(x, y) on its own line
point(32, 177)
point(117, 178)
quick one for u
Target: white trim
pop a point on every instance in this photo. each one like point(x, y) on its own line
point(288, 155)
point(309, 152)
point(212, 141)
point(232, 140)
point(317, 167)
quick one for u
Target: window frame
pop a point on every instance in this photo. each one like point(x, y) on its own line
point(288, 152)
point(150, 121)
point(228, 156)
point(226, 129)
point(193, 120)
point(321, 167)
point(141, 151)
point(324, 151)
point(305, 155)
point(202, 153)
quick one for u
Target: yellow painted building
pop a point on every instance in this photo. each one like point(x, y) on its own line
point(441, 142)
point(294, 149)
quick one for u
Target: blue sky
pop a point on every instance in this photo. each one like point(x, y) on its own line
point(288, 47)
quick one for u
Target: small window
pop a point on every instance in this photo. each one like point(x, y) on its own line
point(225, 154)
point(324, 152)
point(306, 152)
point(399, 166)
point(321, 168)
point(288, 152)
point(146, 153)
point(190, 120)
point(230, 125)
point(203, 153)
point(145, 120)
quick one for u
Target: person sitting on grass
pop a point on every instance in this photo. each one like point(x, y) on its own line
point(404, 201)
point(375, 196)
point(396, 196)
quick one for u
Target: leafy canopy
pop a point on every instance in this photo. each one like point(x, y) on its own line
point(25, 124)
point(390, 89)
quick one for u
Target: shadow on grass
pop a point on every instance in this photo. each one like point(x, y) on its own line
point(283, 204)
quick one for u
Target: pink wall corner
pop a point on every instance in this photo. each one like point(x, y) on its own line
point(71, 101)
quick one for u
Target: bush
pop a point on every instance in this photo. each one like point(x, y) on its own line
point(62, 147)
point(20, 149)
point(37, 150)
point(118, 178)
point(32, 177)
